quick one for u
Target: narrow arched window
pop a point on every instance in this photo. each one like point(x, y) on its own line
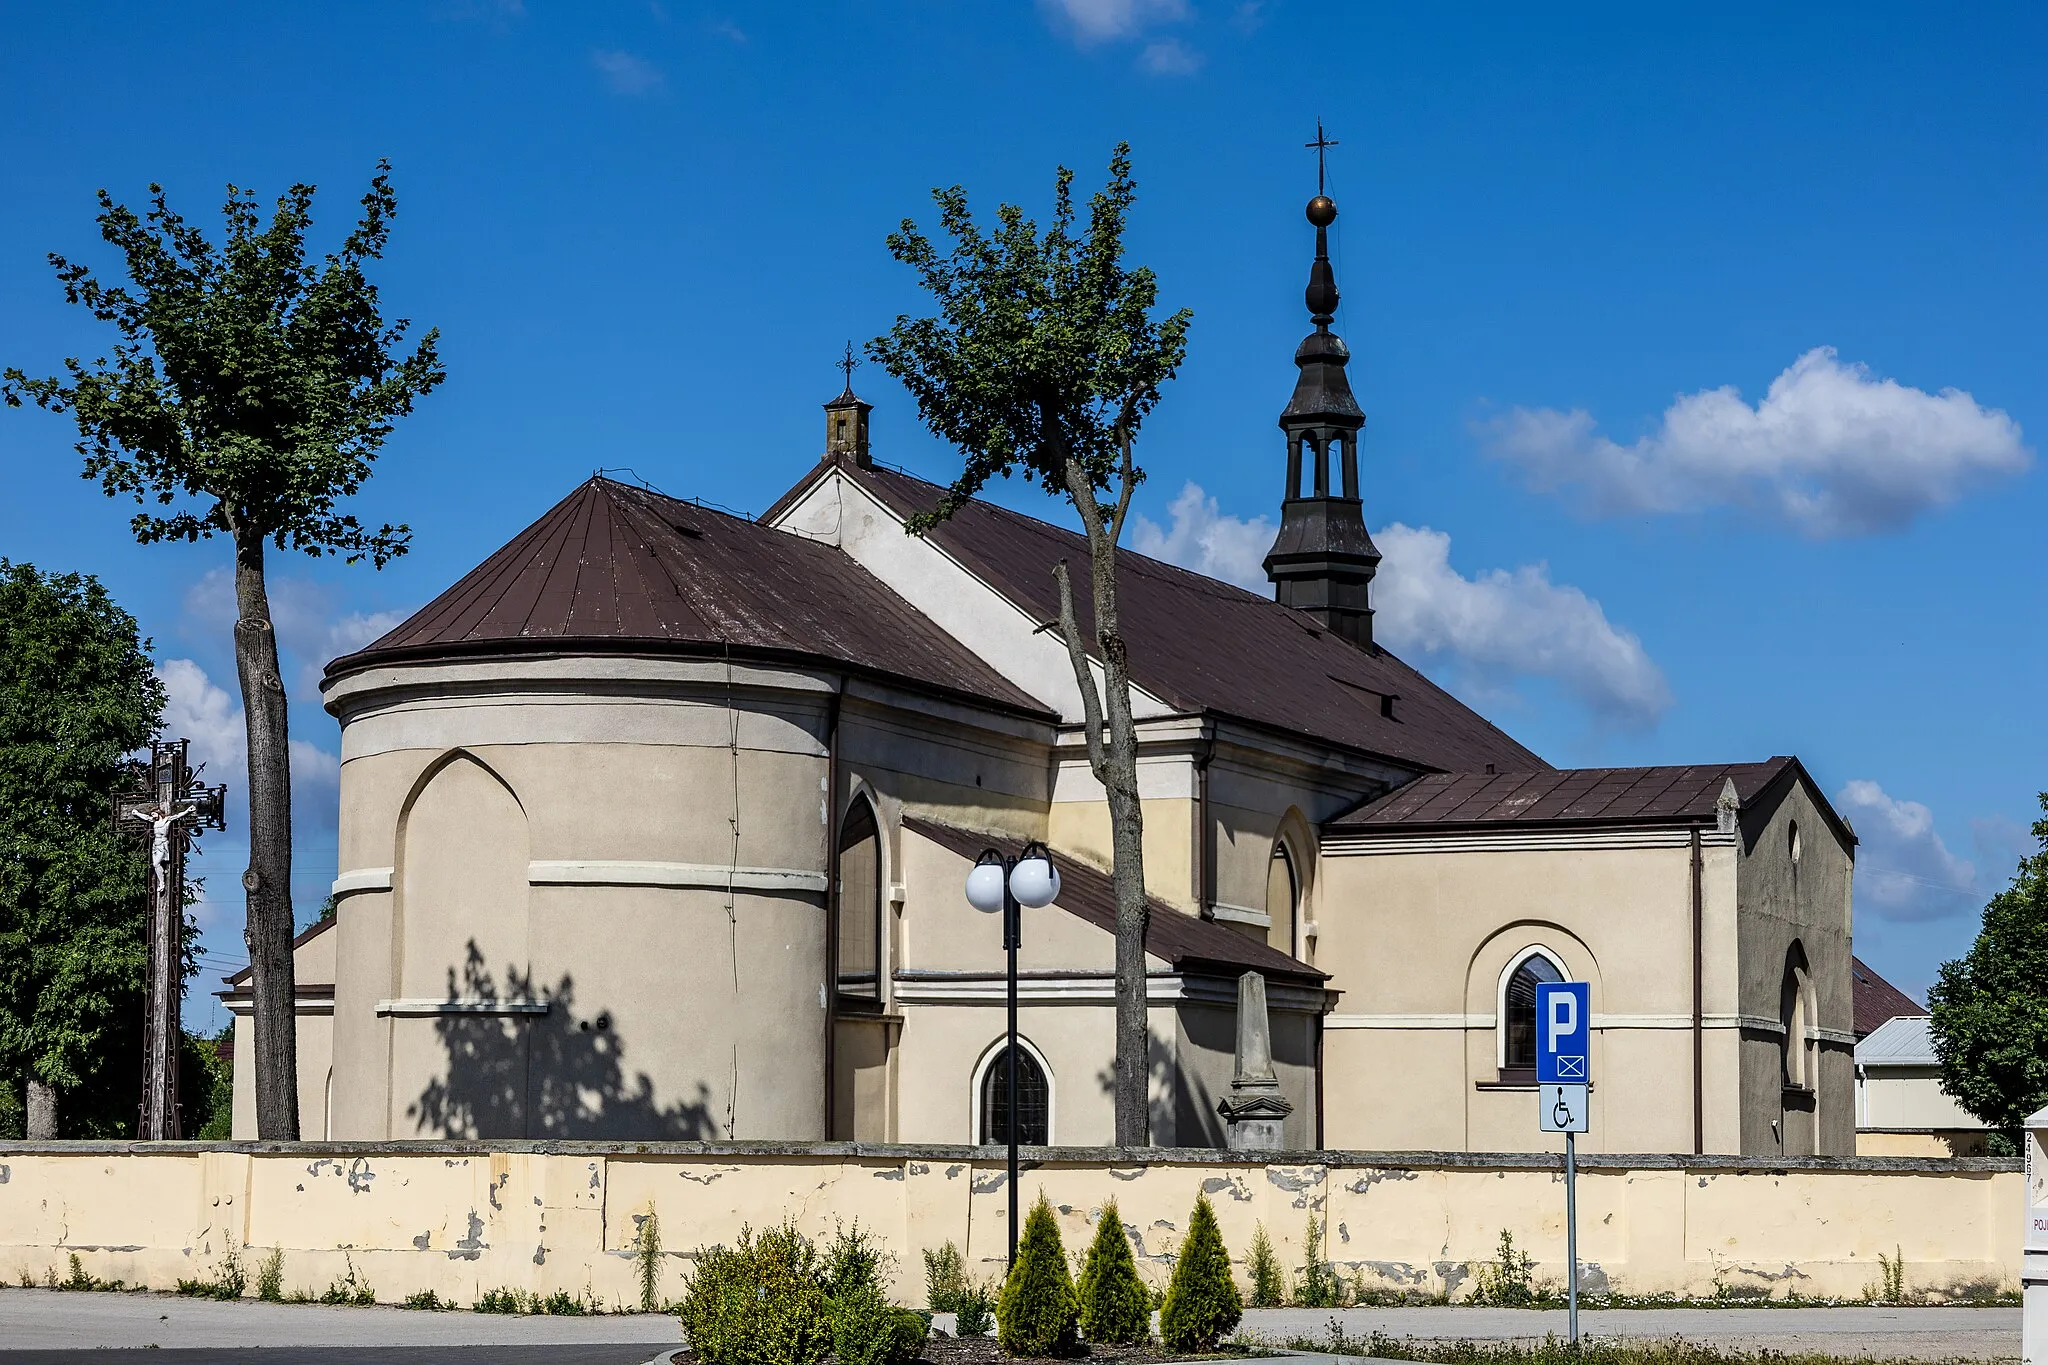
point(1283, 898)
point(1518, 1016)
point(860, 905)
point(1034, 1100)
point(1793, 1019)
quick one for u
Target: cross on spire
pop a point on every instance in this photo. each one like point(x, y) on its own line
point(849, 365)
point(1321, 144)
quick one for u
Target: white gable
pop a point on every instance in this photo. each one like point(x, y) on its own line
point(842, 513)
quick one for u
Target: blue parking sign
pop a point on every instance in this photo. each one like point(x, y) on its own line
point(1563, 1033)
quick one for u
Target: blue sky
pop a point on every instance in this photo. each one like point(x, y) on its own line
point(645, 231)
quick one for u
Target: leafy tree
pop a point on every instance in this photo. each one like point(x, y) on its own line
point(1038, 1311)
point(249, 391)
point(1044, 360)
point(76, 693)
point(1114, 1305)
point(1202, 1302)
point(1990, 1006)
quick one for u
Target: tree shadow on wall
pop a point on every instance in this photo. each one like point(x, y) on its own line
point(553, 1073)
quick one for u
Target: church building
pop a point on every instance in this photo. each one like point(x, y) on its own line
point(656, 826)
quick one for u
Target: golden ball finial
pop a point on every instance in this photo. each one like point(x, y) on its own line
point(1322, 210)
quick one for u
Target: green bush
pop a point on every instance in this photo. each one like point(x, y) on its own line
point(1115, 1306)
point(868, 1330)
point(501, 1301)
point(1269, 1280)
point(1318, 1286)
point(228, 1282)
point(976, 1312)
point(1507, 1281)
point(647, 1260)
point(760, 1303)
point(349, 1287)
point(945, 1279)
point(1037, 1313)
point(1202, 1303)
point(427, 1300)
point(270, 1277)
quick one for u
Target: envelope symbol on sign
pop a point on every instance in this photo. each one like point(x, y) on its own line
point(1571, 1066)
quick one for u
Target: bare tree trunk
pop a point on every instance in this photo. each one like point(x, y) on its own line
point(268, 881)
point(42, 1111)
point(1113, 756)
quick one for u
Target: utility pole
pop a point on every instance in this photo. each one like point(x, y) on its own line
point(166, 796)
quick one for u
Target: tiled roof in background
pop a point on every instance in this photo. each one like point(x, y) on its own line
point(1676, 795)
point(612, 568)
point(1203, 645)
point(1877, 1000)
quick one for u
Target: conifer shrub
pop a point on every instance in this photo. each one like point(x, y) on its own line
point(1269, 1280)
point(1202, 1303)
point(945, 1278)
point(1318, 1285)
point(1038, 1312)
point(1115, 1306)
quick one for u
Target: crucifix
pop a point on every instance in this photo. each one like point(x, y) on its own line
point(166, 797)
point(1321, 144)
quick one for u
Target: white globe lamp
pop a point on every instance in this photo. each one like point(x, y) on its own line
point(985, 887)
point(1035, 882)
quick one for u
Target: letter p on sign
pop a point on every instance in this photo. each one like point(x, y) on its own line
point(1563, 1040)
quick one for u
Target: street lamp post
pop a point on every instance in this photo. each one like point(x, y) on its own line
point(997, 883)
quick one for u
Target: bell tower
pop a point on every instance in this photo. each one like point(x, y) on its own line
point(1322, 562)
point(846, 421)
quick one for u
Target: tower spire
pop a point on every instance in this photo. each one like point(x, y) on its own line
point(1322, 562)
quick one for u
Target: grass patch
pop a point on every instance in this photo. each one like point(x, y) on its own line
point(1555, 1350)
point(349, 1288)
point(561, 1303)
point(426, 1301)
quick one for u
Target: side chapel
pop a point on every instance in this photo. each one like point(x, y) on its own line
point(656, 824)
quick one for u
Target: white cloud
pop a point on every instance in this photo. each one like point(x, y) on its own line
point(1095, 21)
point(199, 709)
point(1831, 449)
point(1488, 631)
point(1170, 57)
point(1903, 869)
point(303, 614)
point(1503, 624)
point(1203, 539)
point(625, 73)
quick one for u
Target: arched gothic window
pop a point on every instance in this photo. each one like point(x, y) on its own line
point(860, 905)
point(1518, 1015)
point(1034, 1100)
point(1283, 898)
point(1793, 1018)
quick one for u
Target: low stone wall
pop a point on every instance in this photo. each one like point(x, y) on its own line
point(461, 1218)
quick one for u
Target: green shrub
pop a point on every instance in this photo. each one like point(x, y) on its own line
point(228, 1282)
point(1507, 1281)
point(1038, 1313)
point(1202, 1303)
point(426, 1300)
point(759, 1303)
point(1318, 1286)
point(270, 1277)
point(501, 1301)
point(1269, 1281)
point(647, 1260)
point(349, 1287)
point(945, 1279)
point(976, 1312)
point(1115, 1306)
point(868, 1330)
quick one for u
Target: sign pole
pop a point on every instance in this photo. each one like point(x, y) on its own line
point(1571, 1232)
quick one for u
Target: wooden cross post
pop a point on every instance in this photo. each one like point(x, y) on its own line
point(167, 799)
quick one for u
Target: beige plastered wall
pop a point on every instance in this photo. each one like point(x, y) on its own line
point(463, 1218)
point(1419, 937)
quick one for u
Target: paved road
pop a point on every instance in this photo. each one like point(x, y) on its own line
point(1915, 1333)
point(37, 1322)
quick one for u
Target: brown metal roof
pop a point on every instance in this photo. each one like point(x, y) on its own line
point(612, 568)
point(1587, 796)
point(1877, 1000)
point(1205, 646)
point(1186, 943)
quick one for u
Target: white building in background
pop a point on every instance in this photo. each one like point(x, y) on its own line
point(1900, 1107)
